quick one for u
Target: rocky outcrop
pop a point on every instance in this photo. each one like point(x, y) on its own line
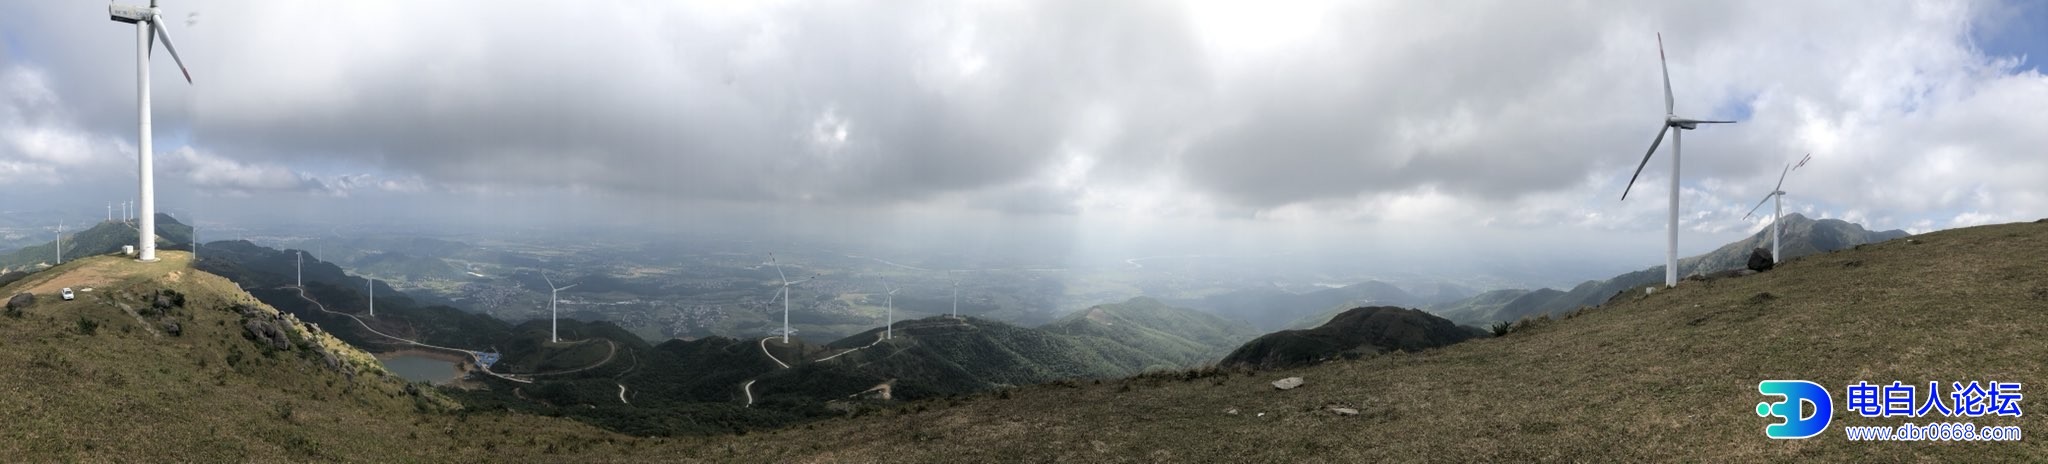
point(166, 300)
point(1760, 260)
point(267, 331)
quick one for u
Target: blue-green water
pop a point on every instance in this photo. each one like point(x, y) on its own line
point(420, 368)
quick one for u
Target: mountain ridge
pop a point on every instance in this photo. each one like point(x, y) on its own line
point(1801, 237)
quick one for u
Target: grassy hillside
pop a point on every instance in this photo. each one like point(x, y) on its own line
point(1671, 375)
point(1801, 237)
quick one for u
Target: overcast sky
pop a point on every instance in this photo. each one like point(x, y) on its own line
point(1512, 118)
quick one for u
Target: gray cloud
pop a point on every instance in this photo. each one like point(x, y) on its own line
point(1341, 111)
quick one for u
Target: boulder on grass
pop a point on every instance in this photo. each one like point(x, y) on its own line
point(21, 300)
point(1760, 260)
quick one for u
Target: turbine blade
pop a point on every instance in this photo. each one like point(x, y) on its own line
point(778, 269)
point(1646, 160)
point(568, 287)
point(1669, 102)
point(157, 23)
point(1760, 204)
point(1781, 179)
point(1714, 122)
point(551, 282)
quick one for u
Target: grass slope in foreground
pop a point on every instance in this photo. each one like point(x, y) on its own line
point(1668, 376)
point(88, 380)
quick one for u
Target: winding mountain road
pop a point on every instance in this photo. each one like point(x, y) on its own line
point(366, 326)
point(748, 388)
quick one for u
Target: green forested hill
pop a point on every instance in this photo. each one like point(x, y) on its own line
point(101, 238)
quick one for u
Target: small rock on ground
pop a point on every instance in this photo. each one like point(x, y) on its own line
point(1287, 383)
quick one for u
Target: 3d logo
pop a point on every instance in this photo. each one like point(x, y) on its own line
point(1797, 393)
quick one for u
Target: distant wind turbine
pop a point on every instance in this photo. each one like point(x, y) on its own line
point(554, 315)
point(786, 284)
point(956, 294)
point(148, 28)
point(1778, 208)
point(1671, 125)
point(889, 331)
point(302, 268)
point(373, 297)
point(60, 242)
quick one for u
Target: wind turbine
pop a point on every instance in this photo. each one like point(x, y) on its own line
point(889, 331)
point(148, 28)
point(302, 268)
point(1778, 208)
point(1672, 125)
point(786, 284)
point(373, 297)
point(554, 316)
point(60, 242)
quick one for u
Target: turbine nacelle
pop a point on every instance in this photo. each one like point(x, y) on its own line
point(131, 14)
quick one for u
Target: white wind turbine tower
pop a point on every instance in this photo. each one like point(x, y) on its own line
point(373, 297)
point(60, 242)
point(148, 28)
point(786, 284)
point(302, 269)
point(554, 315)
point(889, 331)
point(1778, 208)
point(1672, 124)
point(956, 294)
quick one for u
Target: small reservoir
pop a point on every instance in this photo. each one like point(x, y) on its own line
point(416, 367)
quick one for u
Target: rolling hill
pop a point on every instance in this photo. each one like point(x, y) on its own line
point(1271, 308)
point(1802, 237)
point(1352, 334)
point(101, 238)
point(1643, 378)
point(1167, 337)
point(703, 378)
